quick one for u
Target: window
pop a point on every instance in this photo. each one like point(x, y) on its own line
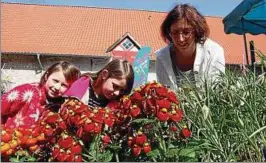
point(127, 44)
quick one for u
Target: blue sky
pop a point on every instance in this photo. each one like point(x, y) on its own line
point(219, 8)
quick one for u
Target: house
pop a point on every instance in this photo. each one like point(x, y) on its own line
point(125, 48)
point(35, 36)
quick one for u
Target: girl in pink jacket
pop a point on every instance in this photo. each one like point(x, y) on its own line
point(22, 106)
point(111, 82)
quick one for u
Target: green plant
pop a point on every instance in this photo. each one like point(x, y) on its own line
point(228, 116)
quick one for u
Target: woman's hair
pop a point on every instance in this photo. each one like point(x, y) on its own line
point(191, 16)
point(118, 69)
point(70, 72)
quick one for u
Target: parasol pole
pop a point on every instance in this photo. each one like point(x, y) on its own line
point(245, 41)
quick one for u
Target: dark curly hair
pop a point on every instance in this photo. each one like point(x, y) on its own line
point(191, 16)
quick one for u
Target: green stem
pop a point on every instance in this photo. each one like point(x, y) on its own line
point(116, 157)
point(153, 159)
point(162, 142)
point(259, 130)
point(83, 154)
point(85, 149)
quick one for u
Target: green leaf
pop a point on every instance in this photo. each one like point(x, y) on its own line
point(93, 146)
point(143, 121)
point(13, 159)
point(188, 159)
point(105, 157)
point(23, 159)
point(198, 144)
point(205, 111)
point(31, 159)
point(154, 153)
point(187, 155)
point(187, 152)
point(114, 147)
point(172, 152)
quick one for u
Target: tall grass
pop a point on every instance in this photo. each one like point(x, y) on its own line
point(228, 118)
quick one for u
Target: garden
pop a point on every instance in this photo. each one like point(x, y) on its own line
point(219, 122)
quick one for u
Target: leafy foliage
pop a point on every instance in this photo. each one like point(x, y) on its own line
point(229, 116)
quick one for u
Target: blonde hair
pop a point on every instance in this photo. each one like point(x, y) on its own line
point(119, 69)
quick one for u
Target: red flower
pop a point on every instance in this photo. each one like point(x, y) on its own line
point(80, 132)
point(77, 158)
point(145, 89)
point(136, 150)
point(134, 111)
point(164, 103)
point(136, 97)
point(113, 106)
point(36, 131)
point(97, 118)
point(141, 138)
point(64, 113)
point(6, 137)
point(109, 121)
point(106, 139)
point(146, 147)
point(81, 108)
point(149, 106)
point(177, 116)
point(62, 156)
point(65, 142)
point(161, 91)
point(173, 128)
point(172, 97)
point(51, 119)
point(163, 114)
point(185, 133)
point(98, 128)
point(76, 149)
point(126, 102)
point(70, 158)
point(62, 125)
point(48, 131)
point(89, 126)
point(55, 151)
point(130, 141)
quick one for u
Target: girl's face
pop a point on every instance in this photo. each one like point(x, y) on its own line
point(182, 35)
point(112, 88)
point(56, 84)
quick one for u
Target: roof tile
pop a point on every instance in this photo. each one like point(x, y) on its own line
point(90, 31)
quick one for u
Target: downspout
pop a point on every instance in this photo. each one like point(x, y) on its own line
point(39, 61)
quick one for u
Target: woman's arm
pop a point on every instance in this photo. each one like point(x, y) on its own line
point(217, 64)
point(161, 74)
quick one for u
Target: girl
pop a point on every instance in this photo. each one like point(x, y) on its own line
point(190, 54)
point(22, 106)
point(113, 81)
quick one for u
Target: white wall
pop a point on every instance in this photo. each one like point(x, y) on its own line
point(26, 69)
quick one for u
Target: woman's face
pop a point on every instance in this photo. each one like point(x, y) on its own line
point(56, 84)
point(113, 88)
point(182, 35)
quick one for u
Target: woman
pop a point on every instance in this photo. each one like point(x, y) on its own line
point(190, 54)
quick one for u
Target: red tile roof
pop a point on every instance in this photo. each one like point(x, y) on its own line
point(90, 31)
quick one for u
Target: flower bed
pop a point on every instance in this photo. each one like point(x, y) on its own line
point(148, 125)
point(222, 122)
